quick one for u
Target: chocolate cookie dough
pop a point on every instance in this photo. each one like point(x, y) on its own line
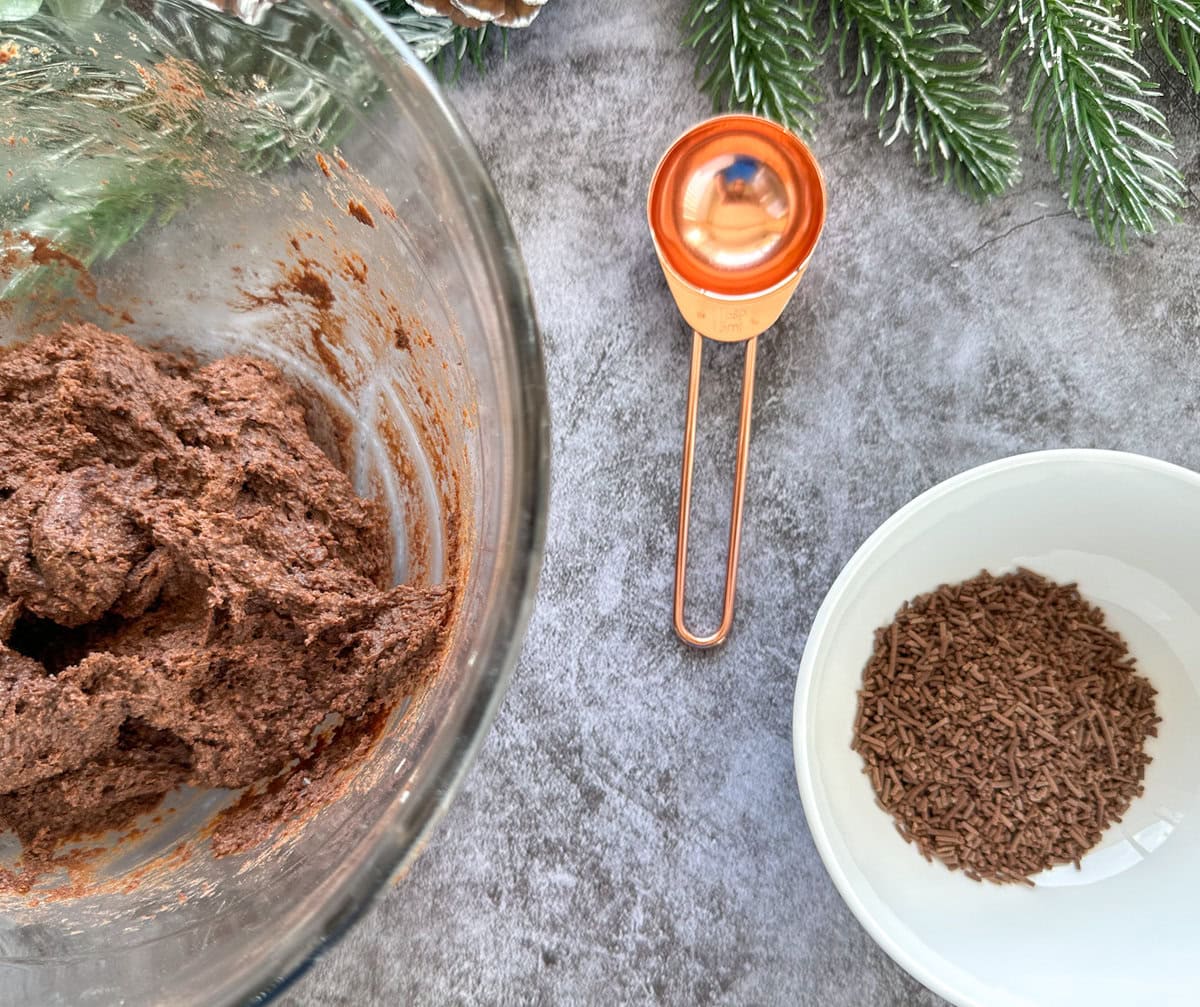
point(189, 587)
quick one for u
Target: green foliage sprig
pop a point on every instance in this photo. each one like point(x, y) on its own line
point(448, 47)
point(1172, 25)
point(925, 79)
point(1089, 101)
point(758, 53)
point(92, 198)
point(923, 73)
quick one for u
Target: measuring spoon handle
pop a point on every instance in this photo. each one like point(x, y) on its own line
point(739, 495)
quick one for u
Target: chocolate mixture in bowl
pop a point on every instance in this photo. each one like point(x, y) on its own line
point(189, 587)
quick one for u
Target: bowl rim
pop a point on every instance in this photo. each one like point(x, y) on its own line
point(818, 826)
point(516, 583)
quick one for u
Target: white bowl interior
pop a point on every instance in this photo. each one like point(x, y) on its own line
point(1123, 930)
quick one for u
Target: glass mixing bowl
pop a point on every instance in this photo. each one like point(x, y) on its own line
point(284, 181)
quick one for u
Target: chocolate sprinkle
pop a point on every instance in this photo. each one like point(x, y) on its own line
point(1002, 725)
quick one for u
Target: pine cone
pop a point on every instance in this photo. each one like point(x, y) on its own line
point(473, 13)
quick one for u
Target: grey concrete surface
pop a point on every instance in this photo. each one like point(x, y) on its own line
point(632, 832)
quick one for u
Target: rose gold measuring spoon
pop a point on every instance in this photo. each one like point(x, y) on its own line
point(736, 207)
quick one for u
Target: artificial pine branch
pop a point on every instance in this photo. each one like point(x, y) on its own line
point(913, 63)
point(920, 74)
point(469, 45)
point(977, 10)
point(93, 196)
point(439, 41)
point(1175, 27)
point(425, 34)
point(917, 67)
point(1088, 98)
point(92, 200)
point(759, 55)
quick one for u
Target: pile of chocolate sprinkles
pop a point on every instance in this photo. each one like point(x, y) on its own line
point(1002, 725)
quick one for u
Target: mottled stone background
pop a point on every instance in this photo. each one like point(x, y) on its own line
point(632, 831)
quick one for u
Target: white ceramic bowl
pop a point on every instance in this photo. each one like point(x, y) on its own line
point(1126, 928)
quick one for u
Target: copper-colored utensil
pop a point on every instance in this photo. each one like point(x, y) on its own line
point(736, 207)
